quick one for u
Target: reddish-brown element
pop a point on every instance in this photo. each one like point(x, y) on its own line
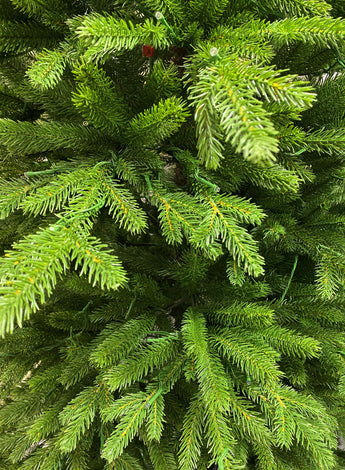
point(148, 51)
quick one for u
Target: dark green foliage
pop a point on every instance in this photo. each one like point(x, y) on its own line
point(172, 235)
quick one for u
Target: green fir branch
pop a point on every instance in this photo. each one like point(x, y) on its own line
point(97, 99)
point(12, 194)
point(157, 123)
point(248, 315)
point(245, 42)
point(78, 416)
point(140, 363)
point(53, 196)
point(122, 206)
point(177, 215)
point(29, 272)
point(155, 420)
point(124, 462)
point(47, 11)
point(221, 222)
point(254, 359)
point(322, 32)
point(19, 37)
point(317, 8)
point(28, 138)
point(290, 342)
point(192, 432)
point(208, 12)
point(116, 342)
point(208, 368)
point(242, 119)
point(103, 34)
point(47, 71)
point(132, 410)
point(161, 455)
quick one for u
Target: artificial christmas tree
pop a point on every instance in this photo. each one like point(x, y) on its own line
point(172, 279)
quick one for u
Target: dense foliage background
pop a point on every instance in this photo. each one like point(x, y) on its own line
point(172, 196)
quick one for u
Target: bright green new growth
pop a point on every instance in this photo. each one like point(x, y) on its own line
point(172, 233)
